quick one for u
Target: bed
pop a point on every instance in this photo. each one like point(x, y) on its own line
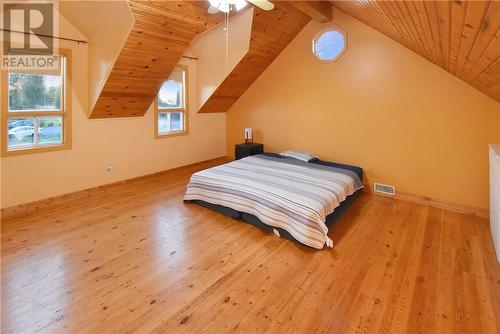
point(291, 198)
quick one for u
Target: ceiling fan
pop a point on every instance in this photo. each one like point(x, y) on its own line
point(226, 5)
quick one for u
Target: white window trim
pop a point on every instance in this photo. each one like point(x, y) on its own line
point(321, 32)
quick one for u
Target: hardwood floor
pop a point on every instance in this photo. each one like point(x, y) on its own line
point(137, 259)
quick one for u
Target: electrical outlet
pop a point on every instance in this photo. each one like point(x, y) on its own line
point(109, 169)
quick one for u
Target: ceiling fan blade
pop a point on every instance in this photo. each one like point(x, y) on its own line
point(263, 4)
point(212, 10)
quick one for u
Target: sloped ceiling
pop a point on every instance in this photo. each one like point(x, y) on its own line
point(463, 37)
point(161, 33)
point(106, 25)
point(271, 33)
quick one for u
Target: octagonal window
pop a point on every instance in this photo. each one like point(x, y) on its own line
point(329, 44)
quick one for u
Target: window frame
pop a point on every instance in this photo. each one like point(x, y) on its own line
point(184, 110)
point(321, 32)
point(65, 113)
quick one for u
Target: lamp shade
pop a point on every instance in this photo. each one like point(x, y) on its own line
point(248, 135)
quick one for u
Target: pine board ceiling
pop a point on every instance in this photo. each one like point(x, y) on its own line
point(463, 37)
point(271, 32)
point(161, 33)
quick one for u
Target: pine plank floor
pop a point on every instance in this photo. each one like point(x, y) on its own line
point(135, 258)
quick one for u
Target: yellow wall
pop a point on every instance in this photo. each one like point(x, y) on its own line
point(127, 144)
point(405, 120)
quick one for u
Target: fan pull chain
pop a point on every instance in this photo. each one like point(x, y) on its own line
point(226, 28)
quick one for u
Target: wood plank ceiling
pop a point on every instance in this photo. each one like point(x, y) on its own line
point(463, 37)
point(161, 33)
point(271, 33)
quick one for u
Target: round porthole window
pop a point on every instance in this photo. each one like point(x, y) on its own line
point(329, 44)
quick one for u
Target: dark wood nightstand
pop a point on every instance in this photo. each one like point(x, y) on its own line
point(246, 150)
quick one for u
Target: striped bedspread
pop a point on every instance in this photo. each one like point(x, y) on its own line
point(287, 193)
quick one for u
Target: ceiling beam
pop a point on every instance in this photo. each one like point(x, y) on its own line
point(320, 11)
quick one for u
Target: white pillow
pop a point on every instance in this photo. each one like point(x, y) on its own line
point(302, 156)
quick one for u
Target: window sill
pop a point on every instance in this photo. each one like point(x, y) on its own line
point(34, 150)
point(172, 134)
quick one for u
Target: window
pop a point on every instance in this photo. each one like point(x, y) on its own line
point(170, 106)
point(35, 117)
point(329, 44)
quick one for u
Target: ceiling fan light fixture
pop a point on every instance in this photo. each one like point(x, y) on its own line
point(215, 3)
point(225, 5)
point(240, 4)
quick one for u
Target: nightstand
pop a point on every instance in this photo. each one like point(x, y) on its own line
point(246, 150)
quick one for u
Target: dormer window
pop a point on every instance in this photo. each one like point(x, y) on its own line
point(171, 117)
